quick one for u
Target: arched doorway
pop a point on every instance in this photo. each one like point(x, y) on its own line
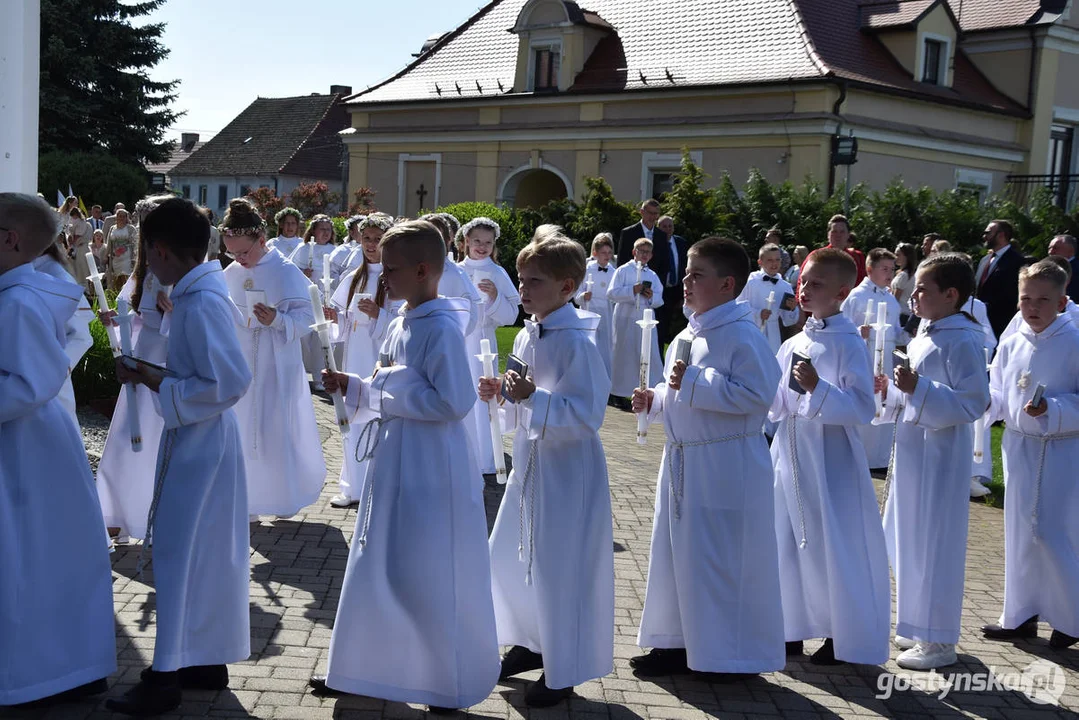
point(529, 187)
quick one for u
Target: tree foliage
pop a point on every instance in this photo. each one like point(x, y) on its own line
point(96, 94)
point(97, 177)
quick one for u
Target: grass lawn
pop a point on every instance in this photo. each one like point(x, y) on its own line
point(505, 337)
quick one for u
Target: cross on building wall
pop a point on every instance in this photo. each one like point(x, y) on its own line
point(422, 192)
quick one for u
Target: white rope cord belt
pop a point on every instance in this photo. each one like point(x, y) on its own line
point(159, 484)
point(527, 484)
point(890, 475)
point(1044, 441)
point(792, 440)
point(254, 391)
point(677, 469)
point(369, 437)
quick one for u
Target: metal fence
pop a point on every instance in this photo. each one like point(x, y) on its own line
point(1064, 188)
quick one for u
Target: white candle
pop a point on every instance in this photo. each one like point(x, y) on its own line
point(316, 304)
point(123, 318)
point(637, 298)
point(881, 327)
point(647, 323)
point(868, 317)
point(979, 439)
point(102, 302)
point(588, 289)
point(771, 302)
point(488, 359)
point(322, 327)
point(325, 270)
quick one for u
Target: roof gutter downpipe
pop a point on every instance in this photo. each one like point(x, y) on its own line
point(838, 131)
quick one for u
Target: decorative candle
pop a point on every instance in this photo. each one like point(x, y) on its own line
point(326, 279)
point(102, 302)
point(881, 327)
point(322, 327)
point(488, 359)
point(637, 297)
point(588, 289)
point(123, 319)
point(646, 324)
point(771, 303)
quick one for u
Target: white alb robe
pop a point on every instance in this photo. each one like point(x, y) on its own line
point(877, 438)
point(455, 283)
point(282, 448)
point(755, 293)
point(1071, 310)
point(285, 245)
point(713, 570)
point(201, 542)
point(837, 584)
point(1041, 567)
point(925, 519)
point(502, 311)
point(626, 333)
point(361, 337)
point(976, 309)
point(56, 624)
point(338, 260)
point(567, 612)
point(415, 622)
point(600, 305)
point(125, 478)
point(78, 339)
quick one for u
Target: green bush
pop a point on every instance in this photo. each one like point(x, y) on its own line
point(95, 375)
point(98, 178)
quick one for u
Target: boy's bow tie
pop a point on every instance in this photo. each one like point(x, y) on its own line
point(773, 280)
point(602, 269)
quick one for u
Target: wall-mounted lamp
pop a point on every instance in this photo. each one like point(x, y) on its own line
point(602, 157)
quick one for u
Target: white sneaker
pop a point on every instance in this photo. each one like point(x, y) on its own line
point(253, 518)
point(927, 656)
point(342, 501)
point(983, 480)
point(978, 490)
point(904, 643)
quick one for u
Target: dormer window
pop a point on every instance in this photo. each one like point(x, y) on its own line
point(934, 50)
point(934, 60)
point(546, 62)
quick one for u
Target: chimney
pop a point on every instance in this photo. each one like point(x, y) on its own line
point(340, 89)
point(188, 140)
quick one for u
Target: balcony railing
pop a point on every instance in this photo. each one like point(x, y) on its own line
point(1063, 188)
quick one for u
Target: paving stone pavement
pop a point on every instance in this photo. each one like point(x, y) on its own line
point(296, 574)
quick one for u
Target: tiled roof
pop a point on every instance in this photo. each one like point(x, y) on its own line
point(292, 136)
point(176, 156)
point(894, 13)
point(681, 43)
point(988, 14)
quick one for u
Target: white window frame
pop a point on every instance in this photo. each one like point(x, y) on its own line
point(402, 164)
point(652, 162)
point(980, 180)
point(945, 58)
point(553, 43)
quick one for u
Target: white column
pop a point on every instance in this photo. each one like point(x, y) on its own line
point(20, 62)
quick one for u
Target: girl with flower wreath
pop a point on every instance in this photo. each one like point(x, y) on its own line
point(288, 221)
point(363, 315)
point(282, 448)
point(500, 307)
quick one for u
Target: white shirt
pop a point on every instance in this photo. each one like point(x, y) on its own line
point(647, 230)
point(988, 261)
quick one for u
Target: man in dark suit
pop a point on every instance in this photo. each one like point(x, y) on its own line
point(1066, 246)
point(997, 276)
point(673, 293)
point(661, 258)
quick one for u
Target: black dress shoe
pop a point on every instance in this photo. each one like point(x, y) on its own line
point(200, 677)
point(518, 660)
point(539, 695)
point(318, 686)
point(826, 655)
point(74, 694)
point(659, 662)
point(1060, 641)
point(439, 710)
point(795, 647)
point(1027, 629)
point(157, 693)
